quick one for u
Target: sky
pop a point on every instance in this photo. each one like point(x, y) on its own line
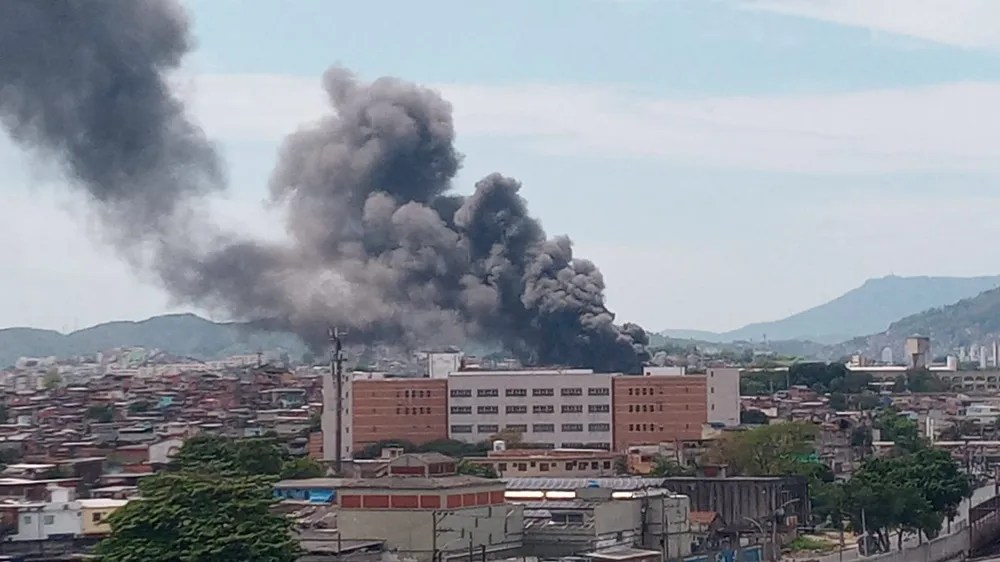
point(722, 161)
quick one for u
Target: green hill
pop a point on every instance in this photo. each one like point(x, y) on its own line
point(180, 334)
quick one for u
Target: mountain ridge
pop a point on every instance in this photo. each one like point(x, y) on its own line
point(182, 334)
point(867, 309)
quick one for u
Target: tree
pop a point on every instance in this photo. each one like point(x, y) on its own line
point(473, 469)
point(664, 467)
point(911, 491)
point(922, 380)
point(100, 413)
point(303, 467)
point(753, 417)
point(139, 407)
point(199, 517)
point(769, 450)
point(220, 455)
point(52, 379)
point(838, 401)
point(901, 430)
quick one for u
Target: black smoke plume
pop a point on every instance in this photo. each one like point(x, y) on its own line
point(378, 243)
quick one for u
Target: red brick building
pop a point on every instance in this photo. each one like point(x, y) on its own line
point(414, 410)
point(655, 409)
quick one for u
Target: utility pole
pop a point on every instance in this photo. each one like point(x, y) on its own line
point(337, 372)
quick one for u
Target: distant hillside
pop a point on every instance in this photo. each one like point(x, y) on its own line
point(867, 309)
point(970, 321)
point(180, 334)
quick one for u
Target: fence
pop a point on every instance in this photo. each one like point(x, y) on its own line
point(943, 548)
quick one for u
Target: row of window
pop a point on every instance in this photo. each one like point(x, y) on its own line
point(536, 409)
point(413, 394)
point(412, 411)
point(649, 427)
point(521, 392)
point(491, 428)
point(545, 466)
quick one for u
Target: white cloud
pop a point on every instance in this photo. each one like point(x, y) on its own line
point(973, 24)
point(946, 127)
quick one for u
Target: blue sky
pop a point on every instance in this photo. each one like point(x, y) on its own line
point(722, 161)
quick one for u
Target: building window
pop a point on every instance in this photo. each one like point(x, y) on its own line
point(27, 520)
point(406, 394)
point(96, 518)
point(487, 409)
point(461, 393)
point(502, 467)
point(572, 427)
point(600, 391)
point(461, 409)
point(599, 427)
point(49, 520)
point(519, 427)
point(543, 428)
point(571, 408)
point(630, 408)
point(490, 428)
point(598, 408)
point(516, 392)
point(607, 464)
point(630, 392)
point(542, 392)
point(461, 429)
point(516, 409)
point(571, 392)
point(543, 409)
point(543, 467)
point(713, 390)
point(487, 393)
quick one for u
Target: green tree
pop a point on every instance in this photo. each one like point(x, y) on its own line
point(766, 451)
point(303, 467)
point(901, 430)
point(197, 517)
point(139, 406)
point(220, 455)
point(52, 379)
point(473, 469)
point(910, 491)
point(753, 417)
point(664, 467)
point(100, 413)
point(922, 380)
point(838, 401)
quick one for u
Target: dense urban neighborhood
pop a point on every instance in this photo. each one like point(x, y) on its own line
point(117, 452)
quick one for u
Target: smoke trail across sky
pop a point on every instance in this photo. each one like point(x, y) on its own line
point(378, 242)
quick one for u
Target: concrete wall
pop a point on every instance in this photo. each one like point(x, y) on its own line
point(470, 416)
point(724, 396)
point(738, 498)
point(410, 533)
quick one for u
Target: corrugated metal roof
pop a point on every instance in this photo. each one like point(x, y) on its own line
point(617, 484)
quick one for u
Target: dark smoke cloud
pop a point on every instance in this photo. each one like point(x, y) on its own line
point(378, 243)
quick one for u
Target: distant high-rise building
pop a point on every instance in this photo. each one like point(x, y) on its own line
point(918, 350)
point(887, 355)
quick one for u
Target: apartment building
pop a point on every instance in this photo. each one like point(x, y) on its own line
point(568, 408)
point(409, 409)
point(664, 406)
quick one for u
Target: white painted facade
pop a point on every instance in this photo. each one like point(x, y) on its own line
point(724, 396)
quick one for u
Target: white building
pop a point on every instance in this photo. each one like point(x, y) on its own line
point(568, 408)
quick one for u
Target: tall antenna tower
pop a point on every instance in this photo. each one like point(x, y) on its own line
point(337, 372)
